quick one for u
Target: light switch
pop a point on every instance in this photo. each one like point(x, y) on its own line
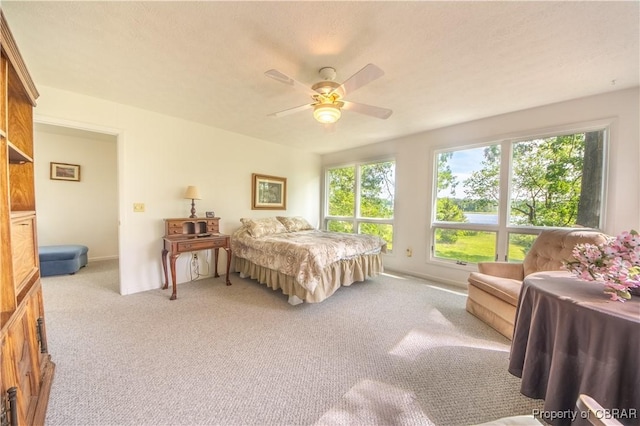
point(138, 207)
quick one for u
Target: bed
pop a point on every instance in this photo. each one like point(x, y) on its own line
point(307, 264)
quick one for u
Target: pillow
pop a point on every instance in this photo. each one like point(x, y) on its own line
point(261, 227)
point(293, 224)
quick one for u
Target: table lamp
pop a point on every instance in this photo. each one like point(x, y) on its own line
point(192, 194)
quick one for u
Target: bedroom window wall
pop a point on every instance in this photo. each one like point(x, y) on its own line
point(492, 200)
point(359, 198)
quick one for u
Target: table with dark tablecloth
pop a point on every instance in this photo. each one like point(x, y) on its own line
point(570, 338)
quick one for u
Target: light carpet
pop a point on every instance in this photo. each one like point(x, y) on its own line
point(393, 350)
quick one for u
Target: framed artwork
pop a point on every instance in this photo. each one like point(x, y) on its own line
point(63, 171)
point(268, 192)
point(210, 215)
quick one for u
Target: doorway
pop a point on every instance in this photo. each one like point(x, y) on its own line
point(82, 211)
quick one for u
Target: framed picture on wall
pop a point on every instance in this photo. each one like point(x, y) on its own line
point(268, 192)
point(64, 171)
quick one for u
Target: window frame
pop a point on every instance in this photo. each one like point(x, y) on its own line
point(357, 219)
point(503, 229)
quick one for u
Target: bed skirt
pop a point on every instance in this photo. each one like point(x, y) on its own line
point(341, 273)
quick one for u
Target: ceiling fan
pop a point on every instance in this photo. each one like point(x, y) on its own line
point(328, 96)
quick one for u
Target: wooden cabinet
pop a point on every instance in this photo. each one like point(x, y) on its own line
point(191, 227)
point(23, 353)
point(26, 368)
point(24, 249)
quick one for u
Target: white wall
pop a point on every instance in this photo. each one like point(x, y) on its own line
point(159, 156)
point(414, 170)
point(84, 212)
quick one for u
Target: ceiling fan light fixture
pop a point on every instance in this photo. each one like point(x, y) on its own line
point(326, 113)
point(327, 95)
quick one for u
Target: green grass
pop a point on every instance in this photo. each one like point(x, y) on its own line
point(479, 247)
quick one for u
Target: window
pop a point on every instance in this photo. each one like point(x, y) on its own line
point(360, 198)
point(492, 200)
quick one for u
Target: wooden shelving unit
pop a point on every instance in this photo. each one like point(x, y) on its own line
point(26, 368)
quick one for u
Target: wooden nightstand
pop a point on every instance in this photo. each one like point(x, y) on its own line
point(188, 235)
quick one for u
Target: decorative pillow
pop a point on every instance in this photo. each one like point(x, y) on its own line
point(261, 227)
point(296, 223)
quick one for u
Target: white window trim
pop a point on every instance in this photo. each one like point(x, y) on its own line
point(356, 219)
point(503, 229)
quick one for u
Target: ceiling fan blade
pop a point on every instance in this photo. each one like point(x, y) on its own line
point(366, 75)
point(283, 78)
point(291, 110)
point(371, 110)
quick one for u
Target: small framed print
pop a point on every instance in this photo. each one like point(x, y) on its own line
point(268, 192)
point(210, 215)
point(63, 171)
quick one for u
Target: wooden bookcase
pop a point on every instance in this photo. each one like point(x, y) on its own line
point(26, 370)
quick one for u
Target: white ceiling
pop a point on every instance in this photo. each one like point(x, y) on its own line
point(444, 62)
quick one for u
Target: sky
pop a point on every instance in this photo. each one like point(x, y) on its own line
point(462, 164)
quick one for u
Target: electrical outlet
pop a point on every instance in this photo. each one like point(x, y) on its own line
point(195, 256)
point(138, 207)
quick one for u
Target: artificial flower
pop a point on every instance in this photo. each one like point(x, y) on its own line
point(616, 263)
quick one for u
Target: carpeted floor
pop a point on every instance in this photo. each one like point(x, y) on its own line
point(391, 351)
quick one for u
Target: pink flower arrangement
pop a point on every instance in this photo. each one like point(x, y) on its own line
point(616, 263)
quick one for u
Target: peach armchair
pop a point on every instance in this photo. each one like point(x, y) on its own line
point(494, 290)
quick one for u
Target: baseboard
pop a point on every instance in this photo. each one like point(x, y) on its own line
point(440, 280)
point(97, 259)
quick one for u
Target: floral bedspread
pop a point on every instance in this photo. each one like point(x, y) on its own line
point(303, 254)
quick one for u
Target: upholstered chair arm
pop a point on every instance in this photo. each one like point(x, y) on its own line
point(514, 271)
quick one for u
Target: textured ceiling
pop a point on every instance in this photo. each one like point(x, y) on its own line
point(444, 62)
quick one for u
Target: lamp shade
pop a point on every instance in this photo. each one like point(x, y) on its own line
point(326, 113)
point(192, 193)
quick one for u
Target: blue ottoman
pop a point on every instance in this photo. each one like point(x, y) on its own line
point(60, 260)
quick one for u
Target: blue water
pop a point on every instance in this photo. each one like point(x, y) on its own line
point(482, 218)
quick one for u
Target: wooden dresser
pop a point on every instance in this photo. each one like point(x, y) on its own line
point(190, 235)
point(26, 367)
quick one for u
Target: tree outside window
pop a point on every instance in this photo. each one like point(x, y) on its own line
point(554, 181)
point(360, 198)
